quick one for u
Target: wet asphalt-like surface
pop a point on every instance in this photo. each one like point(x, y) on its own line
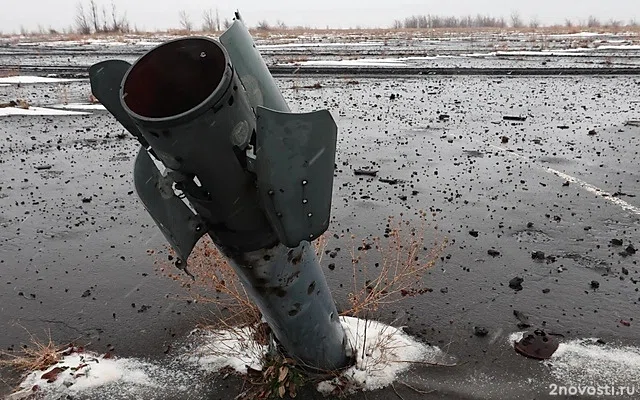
point(74, 237)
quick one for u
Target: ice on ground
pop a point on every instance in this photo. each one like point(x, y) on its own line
point(26, 79)
point(33, 111)
point(382, 353)
point(234, 348)
point(589, 362)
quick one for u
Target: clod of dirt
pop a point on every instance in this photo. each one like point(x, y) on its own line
point(365, 172)
point(493, 252)
point(504, 140)
point(592, 132)
point(519, 118)
point(480, 331)
point(523, 320)
point(538, 255)
point(595, 284)
point(537, 345)
point(474, 233)
point(616, 242)
point(516, 283)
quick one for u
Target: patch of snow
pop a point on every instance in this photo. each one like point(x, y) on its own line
point(85, 372)
point(387, 351)
point(361, 62)
point(235, 348)
point(79, 106)
point(382, 353)
point(25, 79)
point(318, 44)
point(585, 362)
point(35, 111)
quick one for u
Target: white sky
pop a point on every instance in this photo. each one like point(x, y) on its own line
point(163, 14)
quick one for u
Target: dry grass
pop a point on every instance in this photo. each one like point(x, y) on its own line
point(215, 283)
point(403, 262)
point(37, 356)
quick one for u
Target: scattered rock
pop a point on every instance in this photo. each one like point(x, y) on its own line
point(545, 291)
point(625, 323)
point(519, 118)
point(493, 252)
point(592, 132)
point(480, 331)
point(366, 172)
point(43, 167)
point(504, 140)
point(444, 117)
point(86, 293)
point(516, 283)
point(332, 267)
point(538, 255)
point(390, 181)
point(474, 233)
point(616, 242)
point(523, 320)
point(595, 284)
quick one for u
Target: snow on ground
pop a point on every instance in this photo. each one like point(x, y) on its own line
point(25, 79)
point(8, 111)
point(388, 352)
point(95, 376)
point(382, 353)
point(233, 348)
point(589, 362)
point(79, 106)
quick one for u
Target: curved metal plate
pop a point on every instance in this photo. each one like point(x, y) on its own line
point(179, 225)
point(295, 162)
point(106, 78)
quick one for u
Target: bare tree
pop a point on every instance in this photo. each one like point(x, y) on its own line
point(281, 25)
point(217, 20)
point(185, 21)
point(516, 20)
point(208, 21)
point(119, 23)
point(593, 22)
point(614, 23)
point(568, 23)
point(263, 25)
point(82, 21)
point(95, 18)
point(226, 23)
point(534, 23)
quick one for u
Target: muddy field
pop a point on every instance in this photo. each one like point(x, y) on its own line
point(548, 197)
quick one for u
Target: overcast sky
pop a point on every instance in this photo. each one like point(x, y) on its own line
point(163, 14)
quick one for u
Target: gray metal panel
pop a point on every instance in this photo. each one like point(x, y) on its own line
point(250, 66)
point(106, 78)
point(179, 225)
point(295, 162)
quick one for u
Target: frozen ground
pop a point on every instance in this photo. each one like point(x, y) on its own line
point(73, 237)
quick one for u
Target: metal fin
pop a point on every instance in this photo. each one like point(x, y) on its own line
point(179, 225)
point(106, 78)
point(295, 162)
point(261, 88)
